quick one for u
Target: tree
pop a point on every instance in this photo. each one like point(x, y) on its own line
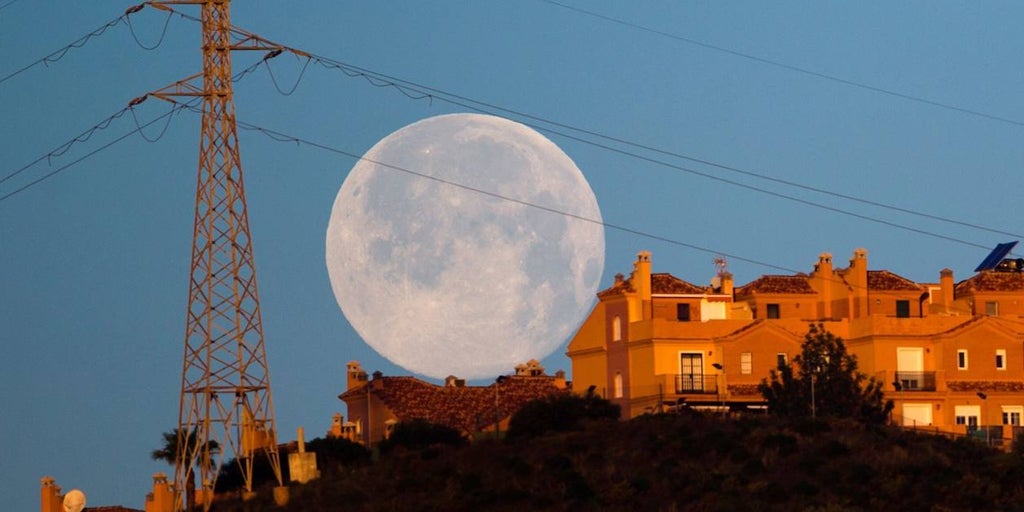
point(418, 434)
point(335, 453)
point(559, 413)
point(169, 453)
point(827, 371)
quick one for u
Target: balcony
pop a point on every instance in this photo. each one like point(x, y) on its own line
point(696, 384)
point(915, 381)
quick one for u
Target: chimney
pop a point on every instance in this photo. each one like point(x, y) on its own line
point(560, 379)
point(857, 276)
point(619, 278)
point(336, 422)
point(946, 286)
point(356, 375)
point(821, 280)
point(50, 499)
point(727, 283)
point(641, 280)
point(161, 499)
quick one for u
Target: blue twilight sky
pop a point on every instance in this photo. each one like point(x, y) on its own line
point(94, 261)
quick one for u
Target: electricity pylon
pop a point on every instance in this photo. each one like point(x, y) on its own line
point(225, 401)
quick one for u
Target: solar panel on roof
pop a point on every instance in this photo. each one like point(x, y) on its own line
point(996, 256)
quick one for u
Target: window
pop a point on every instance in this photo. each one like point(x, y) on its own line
point(968, 415)
point(992, 308)
point(683, 312)
point(961, 359)
point(618, 384)
point(780, 360)
point(691, 373)
point(903, 309)
point(746, 363)
point(1001, 359)
point(616, 329)
point(773, 310)
point(1012, 414)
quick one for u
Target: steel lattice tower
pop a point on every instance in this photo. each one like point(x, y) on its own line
point(225, 381)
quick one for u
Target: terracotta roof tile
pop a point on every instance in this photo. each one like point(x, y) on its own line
point(618, 288)
point(991, 281)
point(777, 284)
point(466, 408)
point(885, 280)
point(660, 283)
point(668, 283)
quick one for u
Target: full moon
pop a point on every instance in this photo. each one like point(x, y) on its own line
point(464, 245)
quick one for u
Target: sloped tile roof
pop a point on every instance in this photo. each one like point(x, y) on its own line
point(777, 284)
point(884, 280)
point(668, 283)
point(664, 283)
point(619, 288)
point(465, 408)
point(991, 281)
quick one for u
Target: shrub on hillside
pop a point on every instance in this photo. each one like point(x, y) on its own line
point(419, 434)
point(335, 453)
point(560, 413)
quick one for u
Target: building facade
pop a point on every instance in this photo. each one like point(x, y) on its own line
point(951, 355)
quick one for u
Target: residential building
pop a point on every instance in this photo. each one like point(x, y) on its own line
point(950, 355)
point(377, 404)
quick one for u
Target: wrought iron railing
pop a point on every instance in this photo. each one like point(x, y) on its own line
point(696, 384)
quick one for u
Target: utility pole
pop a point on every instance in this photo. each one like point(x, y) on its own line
point(225, 381)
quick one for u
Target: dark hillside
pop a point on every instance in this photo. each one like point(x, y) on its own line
point(680, 463)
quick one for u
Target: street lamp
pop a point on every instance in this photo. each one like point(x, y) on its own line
point(721, 397)
point(898, 386)
point(497, 412)
point(984, 401)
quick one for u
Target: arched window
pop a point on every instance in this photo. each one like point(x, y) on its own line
point(617, 329)
point(618, 384)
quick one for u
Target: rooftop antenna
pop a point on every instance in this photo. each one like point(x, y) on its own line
point(720, 265)
point(720, 269)
point(225, 380)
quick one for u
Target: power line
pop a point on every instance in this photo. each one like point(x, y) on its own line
point(61, 169)
point(418, 91)
point(60, 53)
point(103, 125)
point(283, 137)
point(408, 89)
point(789, 67)
point(82, 41)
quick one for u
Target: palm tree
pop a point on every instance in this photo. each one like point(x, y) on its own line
point(169, 453)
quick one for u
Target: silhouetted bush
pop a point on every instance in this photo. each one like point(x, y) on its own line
point(230, 477)
point(420, 435)
point(335, 453)
point(560, 413)
point(679, 462)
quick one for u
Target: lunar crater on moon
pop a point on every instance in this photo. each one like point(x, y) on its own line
point(444, 280)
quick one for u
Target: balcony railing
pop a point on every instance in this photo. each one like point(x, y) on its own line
point(916, 381)
point(696, 384)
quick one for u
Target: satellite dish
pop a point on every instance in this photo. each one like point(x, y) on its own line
point(74, 501)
